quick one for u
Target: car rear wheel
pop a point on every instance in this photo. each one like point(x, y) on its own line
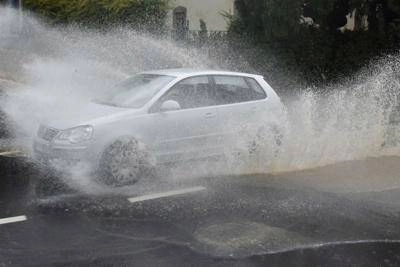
point(126, 162)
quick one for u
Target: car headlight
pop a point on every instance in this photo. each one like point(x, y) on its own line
point(75, 135)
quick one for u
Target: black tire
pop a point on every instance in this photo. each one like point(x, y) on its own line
point(126, 162)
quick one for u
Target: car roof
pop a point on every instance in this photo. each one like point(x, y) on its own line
point(181, 73)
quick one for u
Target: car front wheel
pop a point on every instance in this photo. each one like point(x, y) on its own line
point(125, 162)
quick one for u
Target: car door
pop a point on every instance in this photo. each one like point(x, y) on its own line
point(241, 106)
point(187, 133)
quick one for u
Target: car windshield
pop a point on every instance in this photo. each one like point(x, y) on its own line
point(136, 91)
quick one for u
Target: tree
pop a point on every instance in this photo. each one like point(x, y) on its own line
point(148, 15)
point(317, 50)
point(269, 19)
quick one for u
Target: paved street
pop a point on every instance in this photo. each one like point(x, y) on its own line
point(346, 213)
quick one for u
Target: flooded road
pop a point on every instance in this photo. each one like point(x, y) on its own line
point(343, 213)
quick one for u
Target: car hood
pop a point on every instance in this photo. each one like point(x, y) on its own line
point(91, 114)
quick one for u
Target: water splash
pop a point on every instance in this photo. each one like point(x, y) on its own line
point(60, 69)
point(350, 121)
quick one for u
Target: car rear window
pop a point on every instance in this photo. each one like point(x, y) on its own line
point(236, 89)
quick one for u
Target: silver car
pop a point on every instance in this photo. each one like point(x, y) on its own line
point(159, 117)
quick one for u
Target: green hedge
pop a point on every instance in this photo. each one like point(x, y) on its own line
point(147, 15)
point(317, 53)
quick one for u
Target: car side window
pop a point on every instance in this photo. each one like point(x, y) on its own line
point(194, 92)
point(236, 89)
point(258, 91)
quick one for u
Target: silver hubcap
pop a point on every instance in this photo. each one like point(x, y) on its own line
point(129, 162)
point(125, 167)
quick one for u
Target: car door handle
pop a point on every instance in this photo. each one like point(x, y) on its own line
point(210, 115)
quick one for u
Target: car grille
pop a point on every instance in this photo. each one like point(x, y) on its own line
point(47, 133)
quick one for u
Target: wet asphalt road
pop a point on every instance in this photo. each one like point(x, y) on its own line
point(257, 220)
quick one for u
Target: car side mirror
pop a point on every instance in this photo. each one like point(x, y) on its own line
point(170, 105)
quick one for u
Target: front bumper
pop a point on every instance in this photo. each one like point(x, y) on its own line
point(46, 152)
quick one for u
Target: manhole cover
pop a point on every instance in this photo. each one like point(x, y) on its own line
point(244, 238)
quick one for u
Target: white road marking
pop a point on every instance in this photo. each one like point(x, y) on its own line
point(10, 153)
point(13, 219)
point(167, 194)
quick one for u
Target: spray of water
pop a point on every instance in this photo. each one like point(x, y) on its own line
point(60, 69)
point(350, 121)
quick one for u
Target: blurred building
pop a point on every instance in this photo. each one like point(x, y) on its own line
point(14, 3)
point(186, 15)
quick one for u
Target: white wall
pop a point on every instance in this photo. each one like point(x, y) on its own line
point(207, 10)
